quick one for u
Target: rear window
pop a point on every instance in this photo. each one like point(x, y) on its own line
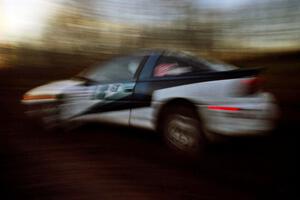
point(202, 64)
point(218, 65)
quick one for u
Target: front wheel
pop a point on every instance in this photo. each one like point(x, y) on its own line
point(46, 115)
point(183, 132)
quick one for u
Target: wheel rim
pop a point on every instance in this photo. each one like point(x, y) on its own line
point(182, 132)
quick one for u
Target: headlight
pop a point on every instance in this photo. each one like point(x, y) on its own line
point(28, 97)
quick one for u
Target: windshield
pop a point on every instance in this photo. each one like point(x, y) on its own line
point(119, 69)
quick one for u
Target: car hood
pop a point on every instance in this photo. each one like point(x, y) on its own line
point(51, 89)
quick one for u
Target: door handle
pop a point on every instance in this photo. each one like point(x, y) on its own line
point(128, 90)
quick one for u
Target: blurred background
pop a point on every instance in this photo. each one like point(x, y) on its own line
point(44, 40)
point(68, 35)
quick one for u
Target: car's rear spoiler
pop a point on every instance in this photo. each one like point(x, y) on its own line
point(244, 72)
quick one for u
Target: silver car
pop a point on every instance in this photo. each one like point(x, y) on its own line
point(185, 98)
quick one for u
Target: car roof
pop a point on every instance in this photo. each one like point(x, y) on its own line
point(176, 53)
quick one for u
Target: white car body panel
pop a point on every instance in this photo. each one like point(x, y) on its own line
point(114, 117)
point(143, 117)
point(256, 118)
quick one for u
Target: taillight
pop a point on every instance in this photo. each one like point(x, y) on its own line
point(223, 108)
point(253, 84)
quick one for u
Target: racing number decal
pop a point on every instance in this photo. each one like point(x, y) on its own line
point(113, 91)
point(99, 92)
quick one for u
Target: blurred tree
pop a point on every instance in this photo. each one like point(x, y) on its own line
point(71, 32)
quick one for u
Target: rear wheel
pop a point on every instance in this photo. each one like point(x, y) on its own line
point(182, 131)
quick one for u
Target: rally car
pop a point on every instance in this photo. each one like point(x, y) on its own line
point(186, 98)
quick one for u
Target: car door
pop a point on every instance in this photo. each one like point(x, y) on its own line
point(106, 93)
point(161, 72)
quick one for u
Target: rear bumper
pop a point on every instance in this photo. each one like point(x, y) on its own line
point(254, 116)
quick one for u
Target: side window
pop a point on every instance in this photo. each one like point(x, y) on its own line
point(171, 66)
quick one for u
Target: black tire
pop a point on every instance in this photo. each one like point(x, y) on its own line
point(182, 131)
